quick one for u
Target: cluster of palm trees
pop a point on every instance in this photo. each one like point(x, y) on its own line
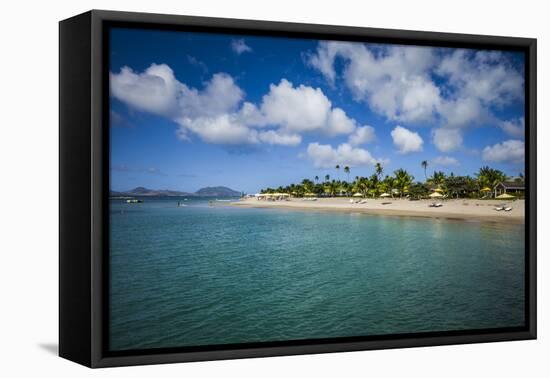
point(399, 184)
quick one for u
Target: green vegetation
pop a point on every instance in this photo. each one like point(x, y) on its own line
point(400, 184)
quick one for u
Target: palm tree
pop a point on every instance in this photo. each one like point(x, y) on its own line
point(489, 177)
point(327, 188)
point(457, 185)
point(402, 181)
point(333, 187)
point(342, 188)
point(438, 179)
point(374, 184)
point(425, 166)
point(338, 170)
point(346, 169)
point(357, 186)
point(308, 185)
point(386, 185)
point(379, 170)
point(419, 190)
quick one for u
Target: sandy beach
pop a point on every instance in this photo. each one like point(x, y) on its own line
point(456, 209)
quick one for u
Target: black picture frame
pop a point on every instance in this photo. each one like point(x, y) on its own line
point(84, 187)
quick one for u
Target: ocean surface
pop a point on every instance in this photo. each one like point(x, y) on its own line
point(201, 275)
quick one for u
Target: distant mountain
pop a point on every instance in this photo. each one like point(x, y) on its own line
point(140, 191)
point(112, 193)
point(217, 191)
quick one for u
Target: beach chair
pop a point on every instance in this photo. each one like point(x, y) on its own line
point(507, 209)
point(499, 208)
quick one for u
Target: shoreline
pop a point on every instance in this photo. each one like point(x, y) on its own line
point(452, 209)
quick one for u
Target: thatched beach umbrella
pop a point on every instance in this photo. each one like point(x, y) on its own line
point(505, 196)
point(436, 195)
point(357, 195)
point(486, 189)
point(384, 195)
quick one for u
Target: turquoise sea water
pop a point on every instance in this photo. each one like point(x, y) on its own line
point(201, 275)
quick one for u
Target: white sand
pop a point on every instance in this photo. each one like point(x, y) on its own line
point(460, 209)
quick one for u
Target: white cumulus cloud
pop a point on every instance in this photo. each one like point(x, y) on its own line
point(325, 156)
point(445, 161)
point(447, 139)
point(297, 109)
point(274, 137)
point(514, 128)
point(463, 112)
point(303, 109)
point(339, 123)
point(394, 82)
point(482, 75)
point(406, 141)
point(218, 114)
point(221, 129)
point(512, 151)
point(239, 46)
point(477, 81)
point(455, 88)
point(156, 90)
point(362, 135)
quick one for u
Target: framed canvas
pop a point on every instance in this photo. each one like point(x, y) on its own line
point(234, 188)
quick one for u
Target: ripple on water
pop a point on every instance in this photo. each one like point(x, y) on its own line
point(202, 276)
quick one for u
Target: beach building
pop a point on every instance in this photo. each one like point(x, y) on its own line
point(516, 188)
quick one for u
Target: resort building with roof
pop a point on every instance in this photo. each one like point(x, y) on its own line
point(516, 188)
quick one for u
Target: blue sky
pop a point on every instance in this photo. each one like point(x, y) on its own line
point(190, 110)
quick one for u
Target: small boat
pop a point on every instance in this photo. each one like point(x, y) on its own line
point(134, 200)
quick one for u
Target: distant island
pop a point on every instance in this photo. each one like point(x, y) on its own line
point(217, 191)
point(209, 191)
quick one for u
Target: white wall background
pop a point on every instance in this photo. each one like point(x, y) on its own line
point(28, 189)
